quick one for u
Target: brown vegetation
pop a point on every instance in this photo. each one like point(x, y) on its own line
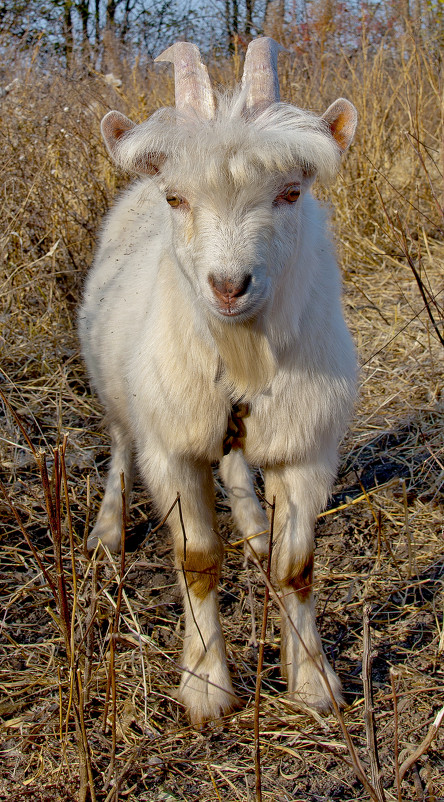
point(88, 656)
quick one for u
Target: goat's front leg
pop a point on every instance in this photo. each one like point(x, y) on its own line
point(205, 687)
point(300, 493)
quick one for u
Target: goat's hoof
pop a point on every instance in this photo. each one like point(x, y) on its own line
point(101, 538)
point(313, 692)
point(207, 709)
point(200, 718)
point(260, 546)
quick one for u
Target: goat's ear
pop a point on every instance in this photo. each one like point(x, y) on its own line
point(341, 117)
point(114, 126)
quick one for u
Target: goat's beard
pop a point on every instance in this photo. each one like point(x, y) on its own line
point(248, 361)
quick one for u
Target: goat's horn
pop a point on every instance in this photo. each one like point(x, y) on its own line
point(260, 72)
point(192, 84)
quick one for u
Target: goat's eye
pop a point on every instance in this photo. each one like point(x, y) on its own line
point(175, 201)
point(291, 194)
point(288, 195)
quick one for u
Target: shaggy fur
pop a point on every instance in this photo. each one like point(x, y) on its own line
point(281, 136)
point(169, 358)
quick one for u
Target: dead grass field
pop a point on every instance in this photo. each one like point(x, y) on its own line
point(87, 671)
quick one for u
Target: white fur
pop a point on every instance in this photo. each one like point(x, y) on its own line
point(168, 363)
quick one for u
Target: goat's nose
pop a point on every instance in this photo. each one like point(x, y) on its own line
point(227, 290)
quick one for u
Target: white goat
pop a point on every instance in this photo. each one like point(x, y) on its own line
point(216, 282)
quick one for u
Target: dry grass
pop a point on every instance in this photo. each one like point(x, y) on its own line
point(383, 547)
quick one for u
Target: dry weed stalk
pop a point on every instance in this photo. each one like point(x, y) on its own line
point(260, 661)
point(369, 712)
point(66, 616)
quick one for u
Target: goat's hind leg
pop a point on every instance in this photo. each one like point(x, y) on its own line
point(108, 526)
point(246, 510)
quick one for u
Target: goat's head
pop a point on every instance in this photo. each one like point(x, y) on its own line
point(234, 175)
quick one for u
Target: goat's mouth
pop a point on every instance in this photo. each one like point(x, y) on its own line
point(230, 311)
point(230, 299)
point(241, 311)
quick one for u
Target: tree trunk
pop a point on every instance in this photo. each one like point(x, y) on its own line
point(125, 25)
point(228, 24)
point(97, 23)
point(111, 6)
point(83, 9)
point(249, 8)
point(235, 18)
point(68, 32)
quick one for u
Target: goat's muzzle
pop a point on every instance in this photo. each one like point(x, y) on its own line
point(228, 291)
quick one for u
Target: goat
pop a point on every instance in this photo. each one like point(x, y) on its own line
point(216, 283)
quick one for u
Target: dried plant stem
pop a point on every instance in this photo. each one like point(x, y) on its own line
point(53, 511)
point(213, 782)
point(393, 674)
point(76, 693)
point(122, 555)
point(108, 691)
point(377, 520)
point(389, 549)
point(164, 519)
point(260, 664)
point(19, 424)
point(66, 617)
point(83, 740)
point(29, 542)
point(419, 790)
point(369, 713)
point(379, 533)
point(252, 641)
point(364, 496)
point(423, 746)
point(83, 771)
point(111, 691)
point(182, 527)
point(184, 571)
point(87, 517)
point(62, 740)
point(404, 242)
point(90, 634)
point(154, 529)
point(73, 563)
point(114, 791)
point(112, 673)
point(111, 685)
point(369, 501)
point(407, 530)
point(187, 590)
